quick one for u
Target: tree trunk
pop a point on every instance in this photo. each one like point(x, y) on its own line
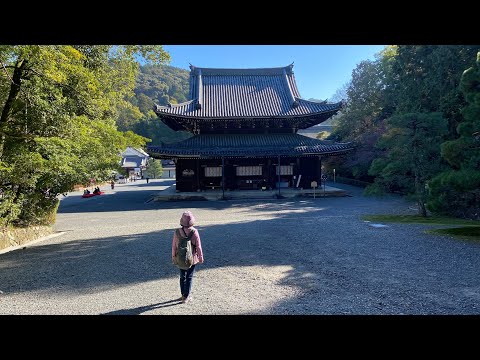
point(12, 96)
point(422, 211)
point(420, 195)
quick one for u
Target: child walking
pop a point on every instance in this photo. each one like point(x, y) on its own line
point(186, 276)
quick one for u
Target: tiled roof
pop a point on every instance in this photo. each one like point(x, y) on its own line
point(232, 93)
point(251, 145)
point(132, 162)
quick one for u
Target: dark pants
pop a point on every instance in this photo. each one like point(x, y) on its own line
point(186, 277)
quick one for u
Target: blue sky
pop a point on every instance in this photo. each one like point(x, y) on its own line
point(319, 69)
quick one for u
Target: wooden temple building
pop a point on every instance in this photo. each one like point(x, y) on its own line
point(244, 124)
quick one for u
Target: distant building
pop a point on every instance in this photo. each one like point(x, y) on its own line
point(245, 124)
point(168, 167)
point(134, 162)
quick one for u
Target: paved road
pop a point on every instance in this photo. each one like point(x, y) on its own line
point(313, 256)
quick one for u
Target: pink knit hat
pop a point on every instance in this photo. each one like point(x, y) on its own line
point(187, 219)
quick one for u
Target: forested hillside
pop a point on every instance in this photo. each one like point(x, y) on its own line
point(162, 84)
point(159, 84)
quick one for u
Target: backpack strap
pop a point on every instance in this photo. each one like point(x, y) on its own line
point(189, 236)
point(179, 234)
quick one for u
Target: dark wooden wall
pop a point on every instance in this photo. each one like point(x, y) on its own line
point(308, 167)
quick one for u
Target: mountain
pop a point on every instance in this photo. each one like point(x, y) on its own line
point(155, 84)
point(162, 84)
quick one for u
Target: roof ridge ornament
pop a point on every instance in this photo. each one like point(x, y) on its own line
point(293, 101)
point(198, 105)
point(289, 69)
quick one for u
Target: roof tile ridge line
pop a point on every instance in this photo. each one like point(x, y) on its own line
point(287, 67)
point(156, 107)
point(290, 93)
point(324, 102)
point(292, 81)
point(191, 89)
point(199, 102)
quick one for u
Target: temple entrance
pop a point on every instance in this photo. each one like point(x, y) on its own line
point(246, 174)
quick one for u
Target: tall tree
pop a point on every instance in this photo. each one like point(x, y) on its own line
point(361, 119)
point(412, 144)
point(457, 191)
point(427, 77)
point(58, 110)
point(154, 169)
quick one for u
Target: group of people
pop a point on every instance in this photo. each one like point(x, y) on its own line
point(96, 191)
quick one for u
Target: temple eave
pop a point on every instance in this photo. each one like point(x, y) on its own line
point(311, 116)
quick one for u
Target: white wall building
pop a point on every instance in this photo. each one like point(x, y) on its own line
point(134, 161)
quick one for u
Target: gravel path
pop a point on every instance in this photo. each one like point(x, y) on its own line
point(313, 256)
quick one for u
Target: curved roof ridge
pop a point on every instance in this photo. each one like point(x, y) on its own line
point(324, 102)
point(245, 71)
point(170, 105)
point(241, 145)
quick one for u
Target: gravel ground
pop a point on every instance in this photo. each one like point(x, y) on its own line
point(314, 256)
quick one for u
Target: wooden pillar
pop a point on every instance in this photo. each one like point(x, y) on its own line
point(279, 172)
point(299, 171)
point(319, 170)
point(269, 166)
point(223, 177)
point(198, 174)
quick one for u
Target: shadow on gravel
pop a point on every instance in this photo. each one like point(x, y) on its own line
point(141, 309)
point(336, 263)
point(138, 200)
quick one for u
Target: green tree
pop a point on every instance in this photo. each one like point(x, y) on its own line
point(361, 119)
point(426, 79)
point(412, 143)
point(161, 84)
point(153, 128)
point(457, 191)
point(58, 110)
point(154, 169)
point(145, 104)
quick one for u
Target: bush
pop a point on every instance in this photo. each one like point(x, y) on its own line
point(38, 210)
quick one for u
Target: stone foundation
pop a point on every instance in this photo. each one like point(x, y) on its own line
point(10, 236)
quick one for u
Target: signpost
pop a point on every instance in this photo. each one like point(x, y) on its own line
point(314, 185)
point(324, 179)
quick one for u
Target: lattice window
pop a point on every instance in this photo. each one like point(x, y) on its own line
point(213, 171)
point(249, 170)
point(285, 170)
